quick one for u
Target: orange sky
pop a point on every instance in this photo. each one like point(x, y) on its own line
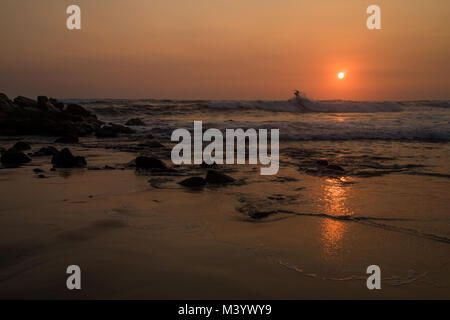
point(226, 49)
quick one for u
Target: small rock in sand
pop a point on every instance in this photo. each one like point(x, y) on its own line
point(193, 182)
point(143, 162)
point(65, 159)
point(13, 157)
point(216, 177)
point(37, 170)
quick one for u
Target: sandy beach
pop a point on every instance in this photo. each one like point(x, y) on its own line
point(137, 235)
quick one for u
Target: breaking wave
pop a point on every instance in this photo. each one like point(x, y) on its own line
point(298, 119)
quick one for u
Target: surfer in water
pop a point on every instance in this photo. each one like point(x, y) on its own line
point(300, 101)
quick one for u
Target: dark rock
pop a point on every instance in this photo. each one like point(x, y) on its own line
point(42, 176)
point(6, 105)
point(78, 110)
point(121, 129)
point(46, 151)
point(59, 105)
point(143, 162)
point(25, 102)
point(335, 167)
point(65, 159)
point(67, 139)
point(37, 170)
point(44, 104)
point(256, 213)
point(87, 127)
point(216, 177)
point(22, 146)
point(135, 122)
point(194, 182)
point(322, 162)
point(13, 157)
point(106, 132)
point(45, 117)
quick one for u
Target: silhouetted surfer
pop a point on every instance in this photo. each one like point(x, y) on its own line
point(300, 101)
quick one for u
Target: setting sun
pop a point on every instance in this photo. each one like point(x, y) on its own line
point(341, 75)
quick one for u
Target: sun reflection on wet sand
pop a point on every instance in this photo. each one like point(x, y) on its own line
point(334, 203)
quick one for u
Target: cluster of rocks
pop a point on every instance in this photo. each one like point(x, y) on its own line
point(45, 116)
point(213, 177)
point(15, 156)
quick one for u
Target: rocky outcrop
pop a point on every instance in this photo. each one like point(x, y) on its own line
point(77, 110)
point(44, 116)
point(6, 105)
point(25, 102)
point(44, 104)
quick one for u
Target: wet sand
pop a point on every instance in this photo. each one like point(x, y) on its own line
point(135, 240)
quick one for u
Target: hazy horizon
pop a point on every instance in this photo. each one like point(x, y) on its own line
point(229, 50)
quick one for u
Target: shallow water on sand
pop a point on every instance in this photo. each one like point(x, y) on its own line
point(303, 233)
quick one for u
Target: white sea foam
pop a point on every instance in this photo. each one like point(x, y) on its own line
point(297, 119)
